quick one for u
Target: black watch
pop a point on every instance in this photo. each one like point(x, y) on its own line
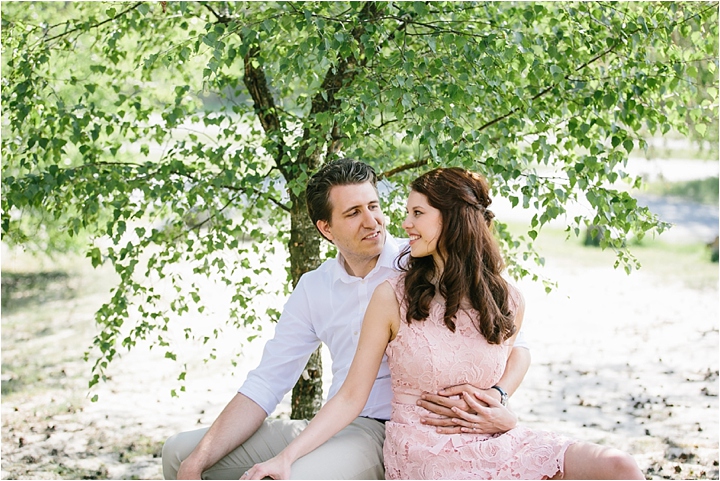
point(503, 395)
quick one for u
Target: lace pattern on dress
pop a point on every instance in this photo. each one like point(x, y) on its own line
point(427, 356)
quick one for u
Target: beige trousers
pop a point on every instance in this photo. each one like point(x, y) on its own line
point(353, 453)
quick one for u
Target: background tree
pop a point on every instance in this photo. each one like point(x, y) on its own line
point(176, 132)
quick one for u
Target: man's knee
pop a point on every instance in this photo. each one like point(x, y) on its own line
point(353, 453)
point(178, 447)
point(170, 463)
point(172, 456)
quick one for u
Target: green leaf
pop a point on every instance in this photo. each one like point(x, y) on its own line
point(609, 100)
point(95, 256)
point(628, 144)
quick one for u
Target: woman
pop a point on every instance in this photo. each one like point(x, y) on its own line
point(450, 318)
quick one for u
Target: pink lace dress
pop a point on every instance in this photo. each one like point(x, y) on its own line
point(427, 356)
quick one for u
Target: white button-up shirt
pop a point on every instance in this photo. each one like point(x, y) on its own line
point(327, 305)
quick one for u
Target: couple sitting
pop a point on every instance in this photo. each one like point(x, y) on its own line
point(436, 355)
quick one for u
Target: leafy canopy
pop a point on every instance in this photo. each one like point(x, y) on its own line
point(183, 133)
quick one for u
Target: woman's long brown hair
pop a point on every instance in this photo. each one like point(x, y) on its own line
point(471, 255)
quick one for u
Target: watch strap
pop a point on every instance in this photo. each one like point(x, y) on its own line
point(503, 395)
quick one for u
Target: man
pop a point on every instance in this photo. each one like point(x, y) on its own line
point(327, 306)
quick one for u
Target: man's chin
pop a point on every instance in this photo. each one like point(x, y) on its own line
point(375, 245)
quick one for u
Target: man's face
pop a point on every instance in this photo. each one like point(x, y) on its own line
point(357, 225)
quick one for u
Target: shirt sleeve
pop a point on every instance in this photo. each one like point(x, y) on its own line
point(285, 356)
point(520, 341)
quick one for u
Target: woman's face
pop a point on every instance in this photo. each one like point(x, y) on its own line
point(423, 225)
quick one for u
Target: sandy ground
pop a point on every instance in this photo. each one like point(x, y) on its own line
point(628, 361)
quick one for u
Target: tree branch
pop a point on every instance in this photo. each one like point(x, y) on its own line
point(68, 32)
point(335, 139)
point(547, 89)
point(324, 100)
point(263, 101)
point(257, 86)
point(412, 165)
point(200, 224)
point(220, 18)
point(257, 192)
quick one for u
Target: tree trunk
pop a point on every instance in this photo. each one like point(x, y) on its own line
point(307, 394)
point(304, 240)
point(304, 256)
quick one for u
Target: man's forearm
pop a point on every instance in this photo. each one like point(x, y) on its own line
point(517, 366)
point(235, 424)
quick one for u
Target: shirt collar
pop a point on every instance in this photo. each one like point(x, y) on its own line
point(385, 261)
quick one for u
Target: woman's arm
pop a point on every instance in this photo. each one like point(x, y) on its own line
point(380, 325)
point(482, 416)
point(519, 300)
point(518, 358)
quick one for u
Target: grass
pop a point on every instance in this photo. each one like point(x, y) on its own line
point(45, 302)
point(688, 263)
point(703, 191)
point(142, 446)
point(32, 287)
point(67, 472)
point(679, 147)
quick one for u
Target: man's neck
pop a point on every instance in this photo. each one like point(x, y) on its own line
point(359, 267)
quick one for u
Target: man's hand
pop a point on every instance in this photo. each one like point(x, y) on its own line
point(492, 418)
point(188, 472)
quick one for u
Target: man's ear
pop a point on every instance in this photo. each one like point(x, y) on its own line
point(324, 228)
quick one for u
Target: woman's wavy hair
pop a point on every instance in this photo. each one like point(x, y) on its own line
point(471, 256)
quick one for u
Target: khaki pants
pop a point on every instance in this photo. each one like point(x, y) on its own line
point(353, 453)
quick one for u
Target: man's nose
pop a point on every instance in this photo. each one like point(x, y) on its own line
point(370, 219)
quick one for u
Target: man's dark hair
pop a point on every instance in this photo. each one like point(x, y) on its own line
point(337, 172)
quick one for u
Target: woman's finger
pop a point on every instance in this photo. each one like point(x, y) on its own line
point(464, 424)
point(465, 415)
point(487, 399)
point(477, 406)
